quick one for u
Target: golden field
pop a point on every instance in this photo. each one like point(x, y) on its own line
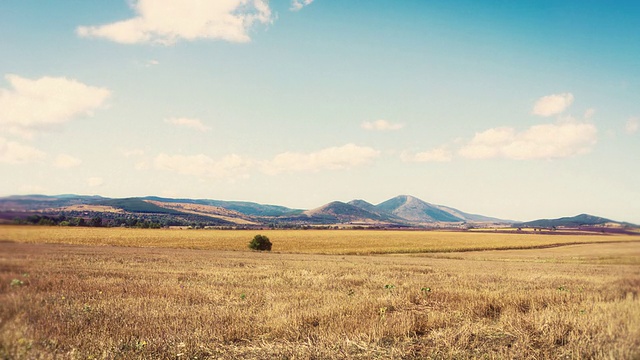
point(337, 242)
point(171, 294)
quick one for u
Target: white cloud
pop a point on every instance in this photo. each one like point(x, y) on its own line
point(48, 101)
point(552, 104)
point(167, 21)
point(152, 63)
point(12, 152)
point(380, 125)
point(65, 161)
point(195, 124)
point(95, 181)
point(632, 125)
point(235, 166)
point(296, 5)
point(142, 165)
point(441, 154)
point(333, 158)
point(231, 166)
point(545, 141)
point(588, 114)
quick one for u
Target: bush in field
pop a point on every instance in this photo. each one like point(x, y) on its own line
point(260, 242)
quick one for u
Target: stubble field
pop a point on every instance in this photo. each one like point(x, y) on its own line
point(330, 242)
point(189, 299)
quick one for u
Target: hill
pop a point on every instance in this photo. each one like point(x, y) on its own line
point(415, 210)
point(243, 207)
point(400, 211)
point(569, 222)
point(340, 212)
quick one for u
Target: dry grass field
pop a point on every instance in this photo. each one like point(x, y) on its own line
point(154, 297)
point(334, 242)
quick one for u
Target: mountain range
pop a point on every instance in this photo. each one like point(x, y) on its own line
point(400, 211)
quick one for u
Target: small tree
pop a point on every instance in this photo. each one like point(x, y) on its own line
point(260, 242)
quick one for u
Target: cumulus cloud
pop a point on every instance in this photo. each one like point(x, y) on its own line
point(588, 114)
point(65, 161)
point(230, 167)
point(12, 152)
point(441, 154)
point(95, 181)
point(333, 158)
point(195, 124)
point(297, 5)
point(545, 141)
point(380, 125)
point(552, 104)
point(48, 101)
point(167, 21)
point(632, 125)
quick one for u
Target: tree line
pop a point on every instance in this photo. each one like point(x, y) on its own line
point(95, 221)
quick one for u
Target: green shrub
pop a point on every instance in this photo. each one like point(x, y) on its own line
point(260, 242)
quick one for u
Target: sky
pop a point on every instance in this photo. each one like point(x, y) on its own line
point(514, 109)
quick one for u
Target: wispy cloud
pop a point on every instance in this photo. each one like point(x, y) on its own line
point(381, 125)
point(545, 141)
point(441, 154)
point(588, 114)
point(297, 5)
point(195, 124)
point(12, 152)
point(167, 21)
point(65, 161)
point(230, 167)
point(33, 105)
point(333, 158)
point(552, 104)
point(632, 125)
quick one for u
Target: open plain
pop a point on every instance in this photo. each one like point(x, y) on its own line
point(186, 294)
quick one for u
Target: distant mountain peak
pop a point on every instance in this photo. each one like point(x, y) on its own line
point(570, 221)
point(402, 210)
point(339, 211)
point(415, 210)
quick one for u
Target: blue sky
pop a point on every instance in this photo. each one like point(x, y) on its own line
point(513, 109)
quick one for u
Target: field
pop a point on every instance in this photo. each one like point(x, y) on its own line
point(185, 294)
point(334, 242)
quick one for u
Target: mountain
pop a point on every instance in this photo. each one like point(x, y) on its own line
point(571, 222)
point(40, 202)
point(375, 210)
point(243, 207)
point(471, 217)
point(137, 205)
point(364, 205)
point(415, 210)
point(340, 212)
point(400, 211)
point(209, 211)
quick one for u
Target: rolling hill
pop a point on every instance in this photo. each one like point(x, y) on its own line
point(400, 211)
point(415, 210)
point(340, 212)
point(243, 207)
point(570, 222)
